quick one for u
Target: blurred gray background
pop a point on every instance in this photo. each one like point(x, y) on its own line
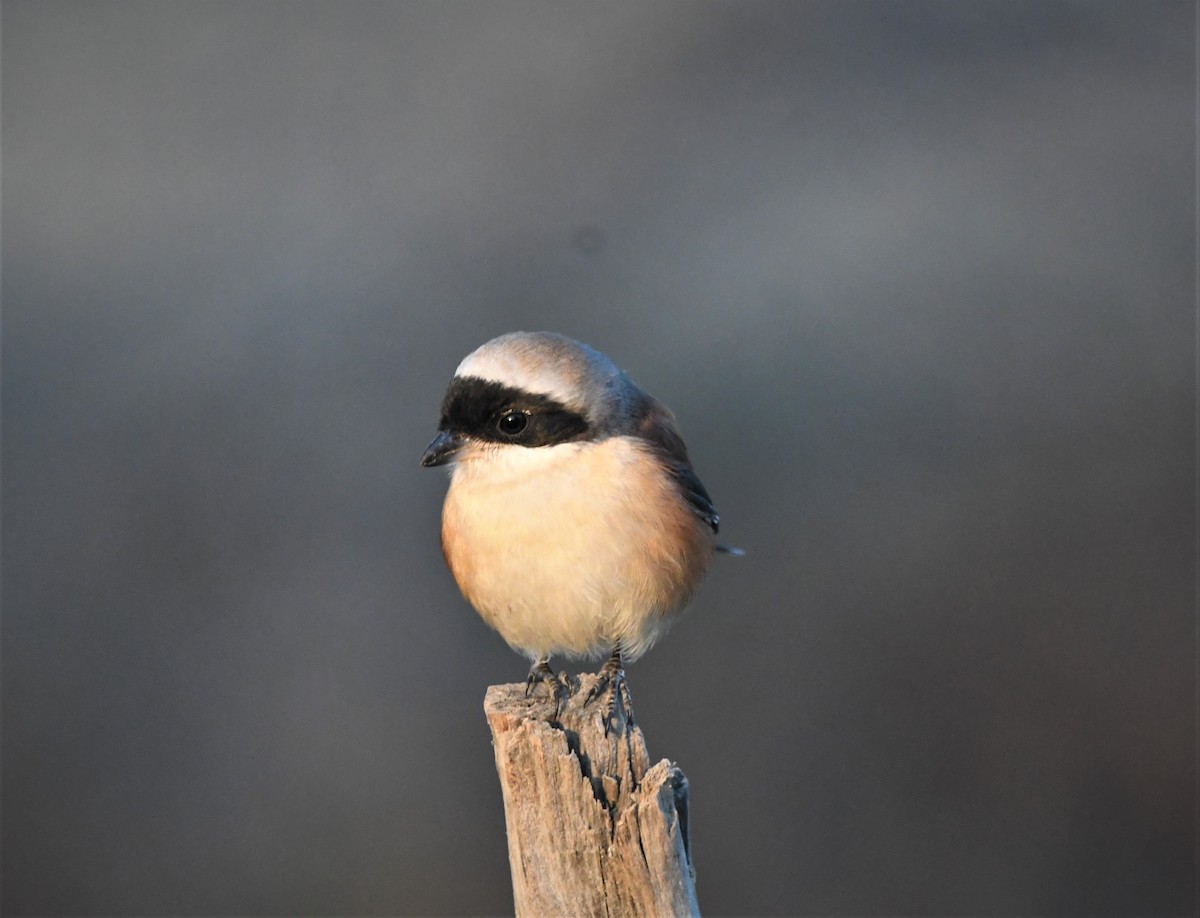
point(918, 279)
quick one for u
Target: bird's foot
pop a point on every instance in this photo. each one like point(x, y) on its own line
point(558, 683)
point(612, 686)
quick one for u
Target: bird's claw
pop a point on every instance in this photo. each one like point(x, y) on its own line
point(611, 683)
point(558, 683)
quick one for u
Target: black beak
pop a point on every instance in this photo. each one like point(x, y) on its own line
point(442, 449)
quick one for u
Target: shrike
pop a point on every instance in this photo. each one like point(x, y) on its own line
point(574, 523)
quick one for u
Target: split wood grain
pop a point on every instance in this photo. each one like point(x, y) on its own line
point(593, 828)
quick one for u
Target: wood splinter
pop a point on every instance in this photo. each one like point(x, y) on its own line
point(593, 829)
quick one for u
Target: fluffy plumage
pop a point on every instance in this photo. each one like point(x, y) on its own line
point(574, 523)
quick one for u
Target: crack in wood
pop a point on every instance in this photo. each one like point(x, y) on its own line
point(593, 828)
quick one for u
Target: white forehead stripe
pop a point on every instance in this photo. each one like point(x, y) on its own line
point(557, 371)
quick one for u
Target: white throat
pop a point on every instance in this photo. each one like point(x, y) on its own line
point(501, 463)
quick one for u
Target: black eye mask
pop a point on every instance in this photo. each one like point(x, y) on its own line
point(492, 411)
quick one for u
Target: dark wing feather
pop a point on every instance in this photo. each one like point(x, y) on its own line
point(656, 425)
point(697, 497)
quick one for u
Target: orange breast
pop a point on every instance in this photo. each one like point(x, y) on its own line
point(575, 548)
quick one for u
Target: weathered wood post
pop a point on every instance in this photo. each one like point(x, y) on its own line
point(593, 830)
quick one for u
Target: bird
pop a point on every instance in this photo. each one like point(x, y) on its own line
point(574, 522)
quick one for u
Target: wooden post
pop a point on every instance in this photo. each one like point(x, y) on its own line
point(593, 830)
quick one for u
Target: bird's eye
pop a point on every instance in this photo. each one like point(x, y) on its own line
point(512, 423)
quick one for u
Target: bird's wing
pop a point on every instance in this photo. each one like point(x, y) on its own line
point(656, 425)
point(697, 498)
